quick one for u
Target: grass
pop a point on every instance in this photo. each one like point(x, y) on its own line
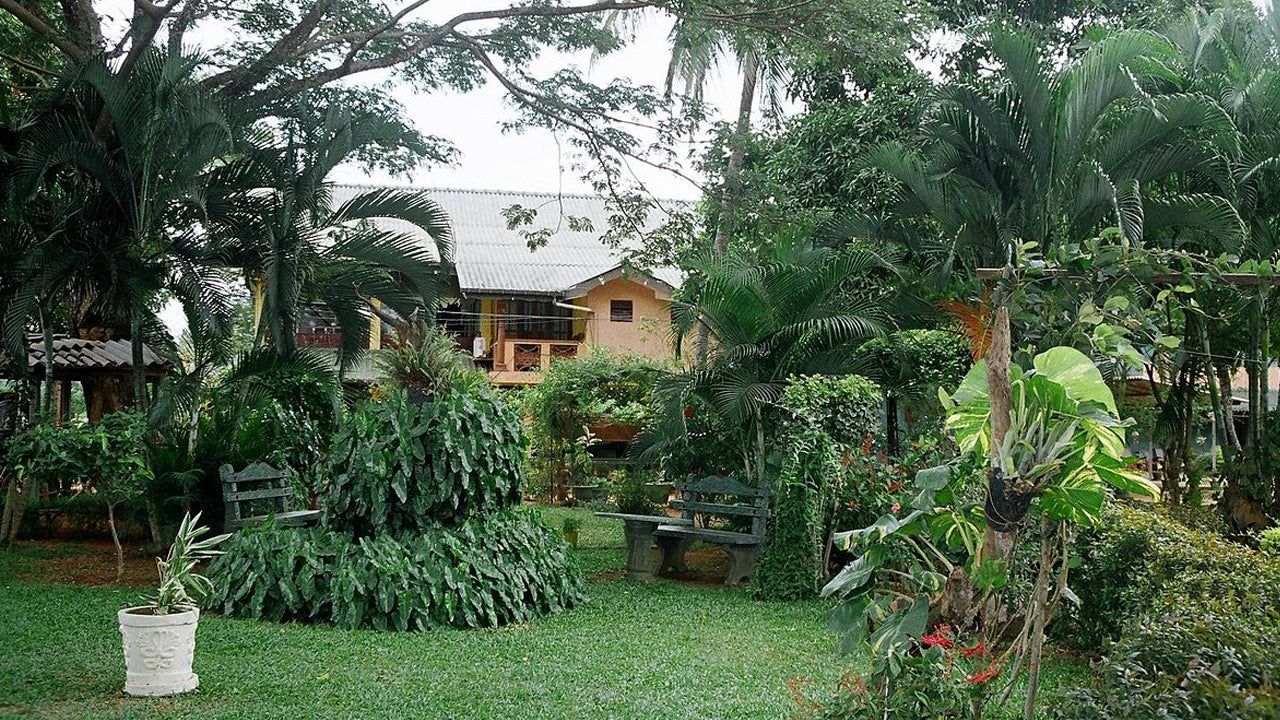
point(632, 651)
point(663, 650)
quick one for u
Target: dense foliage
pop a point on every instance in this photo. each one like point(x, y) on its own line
point(1194, 615)
point(792, 564)
point(823, 420)
point(399, 467)
point(499, 568)
point(846, 408)
point(574, 395)
point(1138, 560)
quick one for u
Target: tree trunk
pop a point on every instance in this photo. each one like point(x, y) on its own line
point(731, 192)
point(1228, 413)
point(1215, 393)
point(1040, 607)
point(891, 425)
point(47, 410)
point(115, 538)
point(997, 545)
point(138, 361)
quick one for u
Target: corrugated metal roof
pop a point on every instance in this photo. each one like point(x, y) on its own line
point(492, 259)
point(79, 354)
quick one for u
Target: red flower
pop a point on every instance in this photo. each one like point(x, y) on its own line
point(982, 676)
point(896, 507)
point(975, 650)
point(894, 486)
point(688, 412)
point(939, 638)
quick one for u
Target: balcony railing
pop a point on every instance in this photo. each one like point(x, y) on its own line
point(527, 356)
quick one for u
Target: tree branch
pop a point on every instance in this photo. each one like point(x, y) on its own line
point(43, 29)
point(350, 66)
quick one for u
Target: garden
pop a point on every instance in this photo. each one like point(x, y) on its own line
point(967, 407)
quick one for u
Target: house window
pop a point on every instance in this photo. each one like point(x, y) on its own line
point(620, 310)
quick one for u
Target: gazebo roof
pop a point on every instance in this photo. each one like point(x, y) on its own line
point(77, 356)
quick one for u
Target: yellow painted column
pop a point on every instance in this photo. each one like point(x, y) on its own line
point(375, 327)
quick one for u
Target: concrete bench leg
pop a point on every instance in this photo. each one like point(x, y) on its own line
point(639, 545)
point(742, 562)
point(672, 557)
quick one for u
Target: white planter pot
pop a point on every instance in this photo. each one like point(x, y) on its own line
point(158, 650)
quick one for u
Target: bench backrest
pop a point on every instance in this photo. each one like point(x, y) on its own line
point(257, 482)
point(728, 497)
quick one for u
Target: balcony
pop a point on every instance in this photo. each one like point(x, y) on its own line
point(520, 361)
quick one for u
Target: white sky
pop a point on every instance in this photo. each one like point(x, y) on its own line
point(492, 159)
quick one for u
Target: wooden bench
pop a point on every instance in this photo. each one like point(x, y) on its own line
point(700, 498)
point(254, 484)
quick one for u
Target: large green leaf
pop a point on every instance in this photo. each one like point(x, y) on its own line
point(1077, 374)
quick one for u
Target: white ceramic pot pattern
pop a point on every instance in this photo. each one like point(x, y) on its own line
point(158, 650)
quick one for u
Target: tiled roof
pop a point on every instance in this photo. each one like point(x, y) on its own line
point(492, 259)
point(78, 354)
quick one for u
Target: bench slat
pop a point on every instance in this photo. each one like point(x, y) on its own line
point(720, 486)
point(257, 494)
point(723, 537)
point(295, 518)
point(720, 508)
point(254, 473)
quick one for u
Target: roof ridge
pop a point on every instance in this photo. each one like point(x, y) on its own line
point(474, 191)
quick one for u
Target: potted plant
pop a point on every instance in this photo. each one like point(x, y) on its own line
point(570, 528)
point(160, 637)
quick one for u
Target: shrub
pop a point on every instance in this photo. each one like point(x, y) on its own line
point(1269, 541)
point(630, 494)
point(1135, 558)
point(1199, 658)
point(502, 568)
point(846, 408)
point(399, 467)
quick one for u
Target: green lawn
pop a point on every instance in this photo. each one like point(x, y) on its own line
point(664, 650)
point(632, 651)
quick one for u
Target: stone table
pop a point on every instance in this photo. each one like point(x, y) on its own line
point(639, 532)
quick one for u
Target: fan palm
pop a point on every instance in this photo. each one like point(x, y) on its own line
point(276, 222)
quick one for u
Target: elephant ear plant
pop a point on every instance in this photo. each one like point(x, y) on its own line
point(160, 637)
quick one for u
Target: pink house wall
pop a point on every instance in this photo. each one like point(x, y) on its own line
point(648, 333)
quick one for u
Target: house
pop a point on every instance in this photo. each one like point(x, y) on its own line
point(519, 308)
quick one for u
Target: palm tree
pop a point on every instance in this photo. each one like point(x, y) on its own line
point(799, 312)
point(1046, 154)
point(1049, 153)
point(1233, 58)
point(275, 222)
point(131, 147)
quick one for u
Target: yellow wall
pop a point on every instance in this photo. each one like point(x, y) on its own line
point(647, 334)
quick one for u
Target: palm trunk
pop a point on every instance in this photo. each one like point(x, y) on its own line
point(1228, 413)
point(731, 192)
point(49, 389)
point(139, 364)
point(1040, 607)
